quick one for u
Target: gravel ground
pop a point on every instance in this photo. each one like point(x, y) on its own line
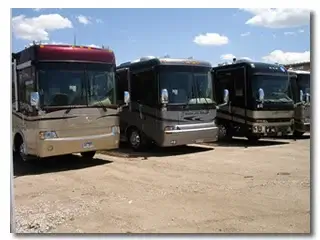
point(226, 188)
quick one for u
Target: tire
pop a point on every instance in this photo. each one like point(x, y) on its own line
point(298, 134)
point(88, 155)
point(136, 139)
point(224, 134)
point(19, 154)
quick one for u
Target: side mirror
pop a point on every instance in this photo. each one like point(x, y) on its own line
point(301, 96)
point(164, 96)
point(261, 95)
point(126, 97)
point(225, 95)
point(35, 99)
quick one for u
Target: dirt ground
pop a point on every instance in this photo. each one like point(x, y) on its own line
point(226, 188)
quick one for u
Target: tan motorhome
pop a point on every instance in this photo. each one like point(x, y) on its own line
point(168, 102)
point(300, 90)
point(63, 101)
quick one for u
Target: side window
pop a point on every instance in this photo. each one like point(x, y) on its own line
point(224, 81)
point(26, 79)
point(140, 82)
point(238, 76)
point(121, 85)
point(13, 92)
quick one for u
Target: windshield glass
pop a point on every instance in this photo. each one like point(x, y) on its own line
point(275, 87)
point(186, 84)
point(304, 82)
point(76, 84)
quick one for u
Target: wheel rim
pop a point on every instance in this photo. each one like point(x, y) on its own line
point(135, 139)
point(22, 151)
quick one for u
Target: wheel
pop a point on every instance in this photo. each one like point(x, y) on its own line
point(88, 155)
point(223, 133)
point(298, 134)
point(136, 139)
point(19, 153)
point(253, 139)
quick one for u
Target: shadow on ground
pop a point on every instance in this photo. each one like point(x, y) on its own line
point(56, 164)
point(243, 142)
point(154, 151)
point(291, 137)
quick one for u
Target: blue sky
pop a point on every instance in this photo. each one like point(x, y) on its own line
point(260, 34)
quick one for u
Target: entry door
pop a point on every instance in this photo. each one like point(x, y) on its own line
point(223, 80)
point(238, 103)
point(144, 96)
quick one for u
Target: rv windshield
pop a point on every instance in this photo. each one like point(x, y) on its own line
point(76, 84)
point(304, 82)
point(186, 84)
point(275, 87)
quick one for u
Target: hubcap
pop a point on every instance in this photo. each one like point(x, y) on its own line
point(135, 139)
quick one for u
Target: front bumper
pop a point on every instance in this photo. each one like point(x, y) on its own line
point(189, 136)
point(68, 145)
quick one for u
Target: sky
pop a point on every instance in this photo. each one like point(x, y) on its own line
point(214, 35)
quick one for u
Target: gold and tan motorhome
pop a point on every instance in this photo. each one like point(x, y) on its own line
point(63, 101)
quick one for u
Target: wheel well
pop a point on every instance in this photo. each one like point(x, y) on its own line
point(17, 140)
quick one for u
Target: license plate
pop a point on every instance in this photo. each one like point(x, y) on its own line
point(87, 145)
point(199, 141)
point(279, 134)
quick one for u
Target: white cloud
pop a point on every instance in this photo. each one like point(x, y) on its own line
point(289, 33)
point(245, 34)
point(230, 57)
point(98, 20)
point(214, 39)
point(278, 17)
point(227, 57)
point(278, 56)
point(83, 19)
point(93, 45)
point(301, 31)
point(37, 9)
point(38, 28)
point(64, 43)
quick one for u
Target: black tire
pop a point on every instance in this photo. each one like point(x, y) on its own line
point(253, 139)
point(88, 155)
point(298, 134)
point(136, 139)
point(19, 155)
point(224, 133)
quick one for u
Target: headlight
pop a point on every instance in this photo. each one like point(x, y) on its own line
point(168, 128)
point(47, 135)
point(115, 130)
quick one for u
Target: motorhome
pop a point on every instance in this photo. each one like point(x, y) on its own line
point(258, 100)
point(63, 101)
point(166, 101)
point(300, 90)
